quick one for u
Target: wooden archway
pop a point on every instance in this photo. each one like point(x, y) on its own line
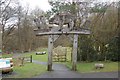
point(54, 33)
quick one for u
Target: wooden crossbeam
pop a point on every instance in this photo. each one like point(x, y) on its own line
point(83, 32)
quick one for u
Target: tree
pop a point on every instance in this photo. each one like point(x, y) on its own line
point(39, 18)
point(0, 37)
point(105, 29)
point(86, 51)
point(7, 14)
point(103, 32)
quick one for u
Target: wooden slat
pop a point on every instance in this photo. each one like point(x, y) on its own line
point(85, 32)
point(56, 37)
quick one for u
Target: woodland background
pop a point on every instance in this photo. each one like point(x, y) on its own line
point(17, 25)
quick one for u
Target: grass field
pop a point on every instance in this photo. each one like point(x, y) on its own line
point(82, 66)
point(7, 55)
point(85, 67)
point(35, 57)
point(29, 70)
point(42, 58)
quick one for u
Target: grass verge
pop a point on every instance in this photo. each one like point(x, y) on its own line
point(7, 55)
point(42, 58)
point(29, 70)
point(85, 67)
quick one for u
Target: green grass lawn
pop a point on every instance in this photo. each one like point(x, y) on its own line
point(85, 67)
point(7, 55)
point(29, 70)
point(42, 58)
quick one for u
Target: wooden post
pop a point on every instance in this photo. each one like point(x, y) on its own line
point(50, 48)
point(22, 59)
point(65, 54)
point(58, 57)
point(31, 58)
point(74, 55)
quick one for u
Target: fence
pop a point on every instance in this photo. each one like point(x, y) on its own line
point(59, 58)
point(21, 60)
point(59, 54)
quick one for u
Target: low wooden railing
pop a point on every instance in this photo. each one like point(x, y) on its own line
point(19, 61)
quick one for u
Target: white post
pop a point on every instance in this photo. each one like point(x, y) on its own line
point(74, 55)
point(50, 48)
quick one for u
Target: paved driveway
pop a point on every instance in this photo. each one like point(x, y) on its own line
point(61, 71)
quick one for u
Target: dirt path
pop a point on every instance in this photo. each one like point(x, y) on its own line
point(61, 71)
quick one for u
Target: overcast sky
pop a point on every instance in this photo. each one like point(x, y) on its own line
point(44, 5)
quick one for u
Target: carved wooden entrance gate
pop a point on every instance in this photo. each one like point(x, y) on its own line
point(62, 19)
